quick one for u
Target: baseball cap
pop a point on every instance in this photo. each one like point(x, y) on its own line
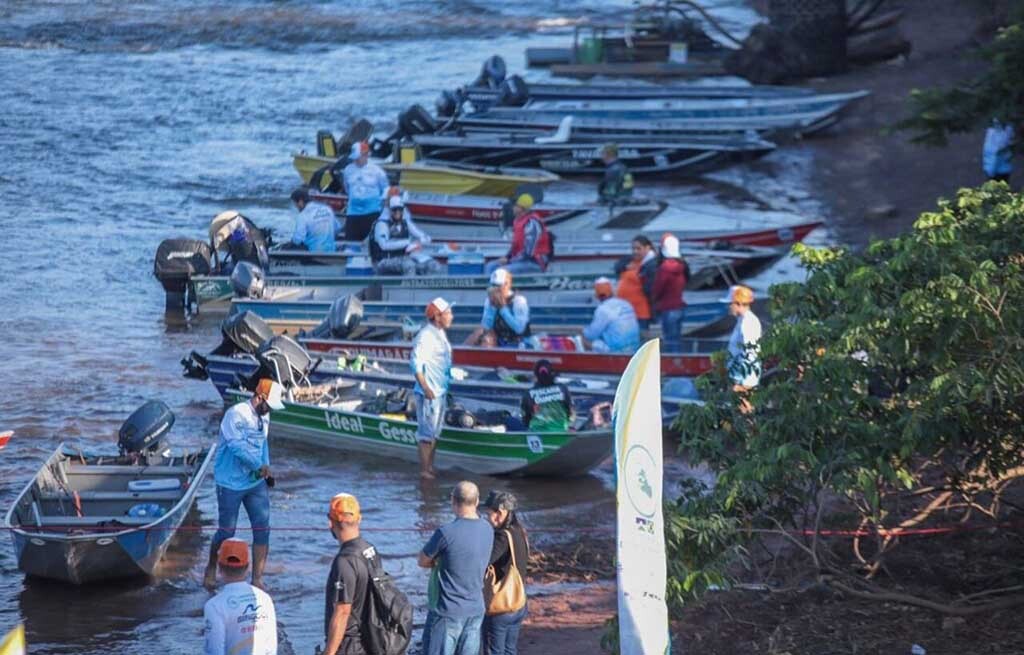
point(359, 149)
point(525, 201)
point(500, 276)
point(233, 553)
point(343, 504)
point(396, 202)
point(271, 391)
point(438, 306)
point(739, 293)
point(603, 286)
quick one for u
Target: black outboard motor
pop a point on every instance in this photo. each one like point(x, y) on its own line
point(416, 120)
point(248, 280)
point(492, 74)
point(448, 104)
point(240, 333)
point(177, 260)
point(141, 432)
point(344, 316)
point(513, 92)
point(281, 358)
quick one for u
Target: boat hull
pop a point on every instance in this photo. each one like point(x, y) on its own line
point(424, 178)
point(481, 452)
point(83, 557)
point(293, 316)
point(672, 364)
point(571, 158)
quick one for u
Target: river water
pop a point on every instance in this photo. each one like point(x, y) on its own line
point(124, 123)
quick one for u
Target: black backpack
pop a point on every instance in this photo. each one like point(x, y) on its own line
point(387, 618)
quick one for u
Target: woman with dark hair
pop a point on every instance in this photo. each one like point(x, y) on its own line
point(511, 550)
point(636, 278)
point(547, 407)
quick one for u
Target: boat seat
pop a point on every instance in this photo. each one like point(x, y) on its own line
point(561, 135)
point(114, 495)
point(94, 521)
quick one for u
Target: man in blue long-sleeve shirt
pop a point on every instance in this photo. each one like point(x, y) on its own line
point(241, 470)
point(505, 321)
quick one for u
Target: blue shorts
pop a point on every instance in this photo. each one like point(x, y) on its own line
point(429, 417)
point(257, 507)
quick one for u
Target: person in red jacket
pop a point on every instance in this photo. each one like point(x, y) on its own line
point(667, 294)
point(531, 248)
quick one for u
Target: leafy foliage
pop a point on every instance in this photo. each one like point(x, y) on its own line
point(898, 378)
point(998, 93)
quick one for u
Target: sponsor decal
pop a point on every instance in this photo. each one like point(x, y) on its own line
point(638, 488)
point(353, 425)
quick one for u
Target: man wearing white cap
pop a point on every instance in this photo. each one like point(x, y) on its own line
point(431, 363)
point(396, 246)
point(506, 316)
point(241, 470)
point(667, 294)
point(365, 184)
point(615, 328)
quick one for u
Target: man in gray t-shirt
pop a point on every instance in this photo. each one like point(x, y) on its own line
point(458, 554)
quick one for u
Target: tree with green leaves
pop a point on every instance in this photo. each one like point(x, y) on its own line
point(998, 93)
point(895, 402)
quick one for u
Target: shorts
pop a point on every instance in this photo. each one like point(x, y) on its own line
point(429, 417)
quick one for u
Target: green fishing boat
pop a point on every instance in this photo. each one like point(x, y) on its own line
point(337, 415)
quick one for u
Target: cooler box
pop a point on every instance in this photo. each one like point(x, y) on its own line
point(359, 266)
point(466, 264)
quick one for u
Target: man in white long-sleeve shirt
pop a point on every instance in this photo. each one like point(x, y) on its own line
point(240, 620)
point(397, 242)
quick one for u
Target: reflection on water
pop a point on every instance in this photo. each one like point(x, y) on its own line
point(124, 124)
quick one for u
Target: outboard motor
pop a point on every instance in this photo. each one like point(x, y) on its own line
point(248, 280)
point(241, 333)
point(141, 432)
point(513, 92)
point(492, 74)
point(281, 358)
point(344, 316)
point(447, 104)
point(416, 120)
point(177, 260)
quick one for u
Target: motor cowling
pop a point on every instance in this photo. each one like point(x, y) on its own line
point(245, 332)
point(177, 260)
point(142, 430)
point(447, 104)
point(284, 360)
point(344, 316)
point(248, 280)
point(513, 92)
point(416, 120)
point(492, 73)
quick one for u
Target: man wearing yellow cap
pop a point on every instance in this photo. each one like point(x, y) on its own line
point(348, 582)
point(242, 473)
point(531, 248)
point(744, 364)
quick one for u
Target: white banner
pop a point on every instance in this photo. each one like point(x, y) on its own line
point(643, 615)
